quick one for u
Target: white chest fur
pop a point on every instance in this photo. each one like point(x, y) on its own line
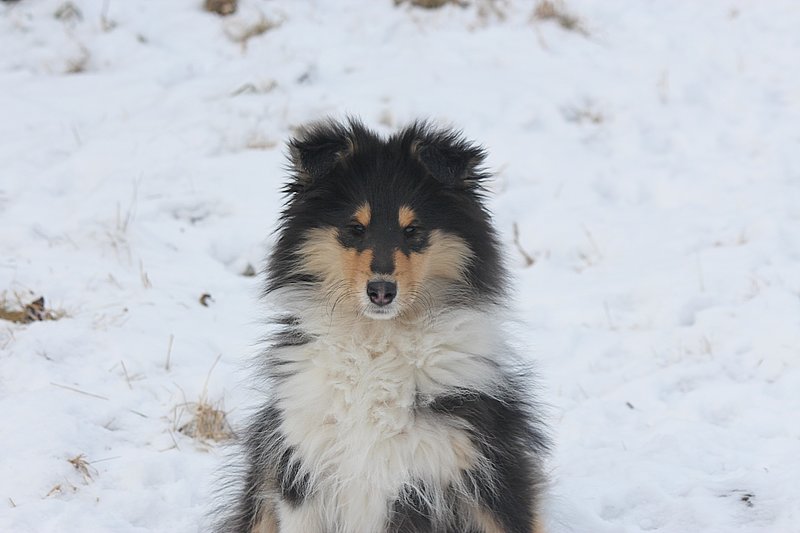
point(349, 412)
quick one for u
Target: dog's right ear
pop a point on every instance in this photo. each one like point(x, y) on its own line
point(316, 150)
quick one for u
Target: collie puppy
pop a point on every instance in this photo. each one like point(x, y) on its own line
point(394, 402)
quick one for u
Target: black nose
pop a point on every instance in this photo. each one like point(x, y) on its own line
point(381, 292)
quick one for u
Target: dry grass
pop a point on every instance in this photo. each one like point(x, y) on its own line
point(588, 113)
point(592, 257)
point(25, 313)
point(106, 23)
point(83, 467)
point(68, 12)
point(79, 63)
point(259, 142)
point(221, 7)
point(556, 11)
point(59, 489)
point(243, 32)
point(207, 421)
point(431, 4)
point(252, 88)
point(492, 10)
point(118, 233)
point(529, 261)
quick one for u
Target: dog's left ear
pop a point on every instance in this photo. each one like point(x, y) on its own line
point(449, 157)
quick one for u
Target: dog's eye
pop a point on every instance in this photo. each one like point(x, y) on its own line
point(357, 229)
point(410, 231)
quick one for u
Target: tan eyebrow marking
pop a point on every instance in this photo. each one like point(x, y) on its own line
point(363, 215)
point(406, 216)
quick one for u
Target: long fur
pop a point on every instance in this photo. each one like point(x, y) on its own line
point(411, 417)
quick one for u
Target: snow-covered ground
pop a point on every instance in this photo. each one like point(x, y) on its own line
point(650, 160)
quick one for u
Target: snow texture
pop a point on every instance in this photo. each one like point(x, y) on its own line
point(650, 159)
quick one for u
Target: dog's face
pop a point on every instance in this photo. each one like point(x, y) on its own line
point(385, 228)
point(384, 260)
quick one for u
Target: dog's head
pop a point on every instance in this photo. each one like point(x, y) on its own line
point(386, 227)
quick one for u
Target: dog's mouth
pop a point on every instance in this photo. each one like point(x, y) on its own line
point(382, 313)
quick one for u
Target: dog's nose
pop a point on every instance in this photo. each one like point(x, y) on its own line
point(381, 292)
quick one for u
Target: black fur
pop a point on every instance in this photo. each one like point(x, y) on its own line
point(293, 482)
point(240, 515)
point(411, 512)
point(513, 442)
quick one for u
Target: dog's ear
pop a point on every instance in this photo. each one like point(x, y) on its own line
point(449, 157)
point(316, 150)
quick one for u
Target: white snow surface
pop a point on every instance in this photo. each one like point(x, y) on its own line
point(652, 168)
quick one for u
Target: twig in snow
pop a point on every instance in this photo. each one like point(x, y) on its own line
point(174, 440)
point(106, 23)
point(208, 376)
point(431, 4)
point(127, 377)
point(591, 239)
point(73, 389)
point(169, 351)
point(104, 459)
point(528, 259)
point(143, 275)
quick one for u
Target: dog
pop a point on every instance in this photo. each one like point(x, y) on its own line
point(394, 403)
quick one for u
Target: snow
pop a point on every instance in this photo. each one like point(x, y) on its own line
point(652, 168)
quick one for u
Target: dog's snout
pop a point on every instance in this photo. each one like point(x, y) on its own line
point(381, 292)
